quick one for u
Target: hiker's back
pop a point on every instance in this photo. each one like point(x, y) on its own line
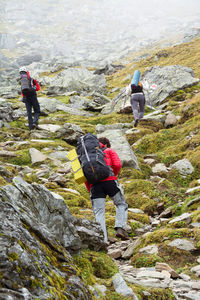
point(91, 158)
point(26, 85)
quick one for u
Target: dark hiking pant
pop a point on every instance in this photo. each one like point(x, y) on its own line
point(98, 195)
point(138, 105)
point(32, 102)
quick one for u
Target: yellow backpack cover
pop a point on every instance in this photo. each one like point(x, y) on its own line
point(76, 167)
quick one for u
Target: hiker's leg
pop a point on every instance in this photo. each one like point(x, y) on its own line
point(29, 113)
point(36, 108)
point(142, 106)
point(121, 208)
point(98, 198)
point(98, 206)
point(134, 104)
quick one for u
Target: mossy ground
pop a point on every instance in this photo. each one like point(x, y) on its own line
point(166, 144)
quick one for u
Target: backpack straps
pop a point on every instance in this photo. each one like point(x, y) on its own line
point(86, 153)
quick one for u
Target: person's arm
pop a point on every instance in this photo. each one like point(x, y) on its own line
point(116, 163)
point(88, 186)
point(36, 85)
point(128, 90)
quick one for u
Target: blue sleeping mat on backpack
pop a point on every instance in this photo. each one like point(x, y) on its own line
point(136, 77)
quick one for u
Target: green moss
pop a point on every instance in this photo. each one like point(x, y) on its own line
point(142, 260)
point(3, 181)
point(13, 256)
point(143, 218)
point(95, 264)
point(85, 269)
point(22, 159)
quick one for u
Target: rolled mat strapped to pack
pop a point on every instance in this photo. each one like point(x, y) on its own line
point(136, 77)
point(76, 167)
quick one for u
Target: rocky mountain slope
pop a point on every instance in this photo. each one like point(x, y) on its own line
point(50, 246)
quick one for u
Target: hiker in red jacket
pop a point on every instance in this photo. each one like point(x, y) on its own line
point(110, 187)
point(30, 97)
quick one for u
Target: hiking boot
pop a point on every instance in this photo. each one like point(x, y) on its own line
point(136, 123)
point(122, 234)
point(35, 126)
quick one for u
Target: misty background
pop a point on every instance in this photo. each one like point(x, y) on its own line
point(92, 32)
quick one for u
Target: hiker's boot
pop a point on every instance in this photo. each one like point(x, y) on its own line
point(122, 234)
point(136, 122)
point(35, 126)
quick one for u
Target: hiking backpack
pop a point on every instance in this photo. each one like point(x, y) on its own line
point(91, 158)
point(136, 88)
point(26, 85)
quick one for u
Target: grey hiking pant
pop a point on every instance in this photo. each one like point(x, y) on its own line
point(98, 205)
point(138, 105)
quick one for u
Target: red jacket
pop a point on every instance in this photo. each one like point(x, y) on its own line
point(112, 159)
point(35, 83)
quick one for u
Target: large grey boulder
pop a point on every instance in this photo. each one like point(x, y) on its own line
point(120, 144)
point(52, 105)
point(31, 258)
point(77, 79)
point(6, 111)
point(70, 133)
point(168, 79)
point(42, 212)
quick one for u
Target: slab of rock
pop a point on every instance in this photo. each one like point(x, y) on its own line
point(36, 156)
point(5, 153)
point(49, 127)
point(129, 251)
point(182, 244)
point(186, 217)
point(165, 267)
point(159, 168)
point(120, 285)
point(194, 189)
point(151, 249)
point(115, 253)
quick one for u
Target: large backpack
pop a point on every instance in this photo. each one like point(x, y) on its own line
point(91, 158)
point(26, 85)
point(136, 88)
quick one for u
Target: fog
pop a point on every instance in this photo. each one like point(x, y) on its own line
point(93, 30)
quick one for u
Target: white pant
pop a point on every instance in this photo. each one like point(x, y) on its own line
point(119, 200)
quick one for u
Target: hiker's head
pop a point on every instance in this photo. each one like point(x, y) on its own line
point(23, 69)
point(105, 141)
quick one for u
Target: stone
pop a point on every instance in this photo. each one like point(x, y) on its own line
point(159, 168)
point(116, 253)
point(170, 120)
point(186, 217)
point(183, 166)
point(36, 156)
point(195, 269)
point(182, 244)
point(120, 144)
point(120, 285)
point(136, 210)
point(165, 267)
point(129, 251)
point(192, 190)
point(151, 249)
point(49, 127)
point(151, 274)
